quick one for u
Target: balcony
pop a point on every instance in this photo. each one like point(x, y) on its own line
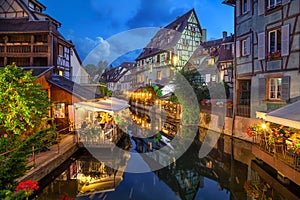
point(19, 49)
point(279, 154)
point(16, 48)
point(40, 48)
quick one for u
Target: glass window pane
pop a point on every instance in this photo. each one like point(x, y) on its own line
point(272, 42)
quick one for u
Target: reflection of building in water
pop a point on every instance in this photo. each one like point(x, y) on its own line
point(82, 177)
point(156, 122)
point(265, 183)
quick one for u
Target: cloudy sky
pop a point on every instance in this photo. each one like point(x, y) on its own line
point(92, 22)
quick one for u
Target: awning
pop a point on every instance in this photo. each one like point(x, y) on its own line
point(111, 105)
point(288, 115)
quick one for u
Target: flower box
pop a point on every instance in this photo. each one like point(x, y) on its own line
point(274, 55)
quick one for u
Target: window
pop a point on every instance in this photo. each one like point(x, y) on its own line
point(31, 6)
point(274, 41)
point(60, 50)
point(244, 47)
point(228, 46)
point(61, 73)
point(273, 3)
point(151, 68)
point(202, 78)
point(211, 61)
point(244, 6)
point(159, 75)
point(275, 88)
point(59, 110)
point(213, 78)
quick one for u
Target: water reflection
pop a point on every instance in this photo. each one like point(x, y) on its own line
point(82, 176)
point(228, 172)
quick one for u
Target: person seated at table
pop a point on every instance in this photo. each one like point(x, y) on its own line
point(110, 124)
point(84, 125)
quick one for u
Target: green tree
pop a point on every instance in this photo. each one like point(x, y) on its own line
point(23, 104)
point(102, 65)
point(91, 69)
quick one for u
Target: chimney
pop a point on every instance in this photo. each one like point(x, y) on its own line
point(224, 34)
point(203, 35)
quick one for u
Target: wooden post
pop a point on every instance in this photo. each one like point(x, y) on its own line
point(33, 156)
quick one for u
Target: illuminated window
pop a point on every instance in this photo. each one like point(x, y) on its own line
point(61, 73)
point(275, 88)
point(159, 75)
point(211, 61)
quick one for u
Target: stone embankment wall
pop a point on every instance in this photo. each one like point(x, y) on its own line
point(224, 124)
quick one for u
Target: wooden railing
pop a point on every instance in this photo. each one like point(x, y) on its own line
point(40, 48)
point(277, 149)
point(19, 49)
point(24, 49)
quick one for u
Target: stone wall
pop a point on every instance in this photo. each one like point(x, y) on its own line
point(211, 122)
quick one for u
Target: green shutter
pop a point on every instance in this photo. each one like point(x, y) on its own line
point(285, 87)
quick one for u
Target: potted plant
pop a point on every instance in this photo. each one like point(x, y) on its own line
point(229, 104)
point(203, 102)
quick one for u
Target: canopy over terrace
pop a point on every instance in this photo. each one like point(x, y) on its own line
point(288, 115)
point(110, 105)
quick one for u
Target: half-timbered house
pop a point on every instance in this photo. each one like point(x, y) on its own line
point(30, 38)
point(267, 54)
point(172, 45)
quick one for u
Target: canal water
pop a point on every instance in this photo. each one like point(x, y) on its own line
point(229, 171)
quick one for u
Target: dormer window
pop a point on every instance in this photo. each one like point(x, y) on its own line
point(37, 9)
point(31, 6)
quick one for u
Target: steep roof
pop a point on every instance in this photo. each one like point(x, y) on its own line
point(159, 43)
point(225, 53)
point(115, 74)
point(212, 48)
point(73, 88)
point(38, 71)
point(212, 43)
point(22, 25)
point(35, 21)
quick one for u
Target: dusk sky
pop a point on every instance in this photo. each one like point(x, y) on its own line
point(92, 22)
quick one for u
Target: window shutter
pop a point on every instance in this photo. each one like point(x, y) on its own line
point(261, 88)
point(238, 49)
point(248, 46)
point(261, 46)
point(285, 2)
point(261, 7)
point(238, 8)
point(285, 40)
point(285, 87)
point(248, 6)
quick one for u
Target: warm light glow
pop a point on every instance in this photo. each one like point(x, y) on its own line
point(264, 126)
point(175, 60)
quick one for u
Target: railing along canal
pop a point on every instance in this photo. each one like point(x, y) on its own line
point(279, 149)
